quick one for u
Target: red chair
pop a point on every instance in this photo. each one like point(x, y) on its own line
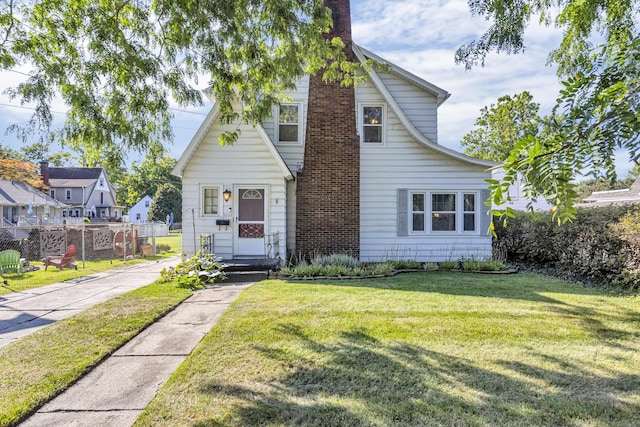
point(63, 261)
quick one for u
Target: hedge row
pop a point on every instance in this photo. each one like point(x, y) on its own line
point(601, 245)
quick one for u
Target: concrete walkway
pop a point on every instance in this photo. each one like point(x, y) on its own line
point(115, 392)
point(22, 313)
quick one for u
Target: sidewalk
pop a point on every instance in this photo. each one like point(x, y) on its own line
point(116, 391)
point(22, 313)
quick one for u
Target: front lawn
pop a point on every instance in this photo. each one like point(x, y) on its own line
point(41, 365)
point(417, 349)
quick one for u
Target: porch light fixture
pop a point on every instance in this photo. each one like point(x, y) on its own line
point(226, 194)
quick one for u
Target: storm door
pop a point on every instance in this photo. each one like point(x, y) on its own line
point(250, 222)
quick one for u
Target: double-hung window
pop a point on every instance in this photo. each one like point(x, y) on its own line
point(210, 200)
point(289, 129)
point(418, 211)
point(67, 194)
point(469, 212)
point(372, 123)
point(443, 211)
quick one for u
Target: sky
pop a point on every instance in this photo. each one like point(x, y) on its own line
point(421, 37)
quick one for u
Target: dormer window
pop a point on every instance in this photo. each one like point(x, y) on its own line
point(289, 129)
point(372, 125)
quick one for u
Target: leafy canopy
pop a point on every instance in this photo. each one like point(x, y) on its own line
point(145, 178)
point(166, 201)
point(500, 126)
point(118, 64)
point(596, 113)
point(16, 170)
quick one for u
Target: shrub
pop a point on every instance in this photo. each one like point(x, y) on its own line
point(448, 265)
point(406, 265)
point(600, 245)
point(162, 247)
point(195, 272)
point(430, 266)
point(336, 259)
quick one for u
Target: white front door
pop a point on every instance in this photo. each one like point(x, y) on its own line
point(250, 222)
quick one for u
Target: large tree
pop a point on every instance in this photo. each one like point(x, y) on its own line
point(500, 126)
point(117, 64)
point(166, 201)
point(597, 112)
point(145, 178)
point(27, 172)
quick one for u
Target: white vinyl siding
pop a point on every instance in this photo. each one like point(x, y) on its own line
point(292, 154)
point(419, 105)
point(247, 164)
point(390, 173)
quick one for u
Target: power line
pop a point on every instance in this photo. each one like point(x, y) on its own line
point(3, 104)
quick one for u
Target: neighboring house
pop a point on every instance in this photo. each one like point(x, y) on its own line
point(138, 212)
point(519, 201)
point(338, 170)
point(613, 197)
point(21, 204)
point(86, 190)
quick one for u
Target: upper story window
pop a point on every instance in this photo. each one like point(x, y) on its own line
point(210, 200)
point(443, 212)
point(67, 194)
point(372, 123)
point(146, 203)
point(289, 124)
point(101, 182)
point(52, 193)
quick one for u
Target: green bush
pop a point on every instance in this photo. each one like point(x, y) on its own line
point(162, 247)
point(195, 272)
point(599, 245)
point(336, 259)
point(406, 265)
point(448, 265)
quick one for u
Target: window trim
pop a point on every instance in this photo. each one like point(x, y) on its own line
point(383, 124)
point(202, 200)
point(276, 124)
point(68, 194)
point(459, 212)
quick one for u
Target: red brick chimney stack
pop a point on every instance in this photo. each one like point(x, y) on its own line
point(44, 171)
point(328, 188)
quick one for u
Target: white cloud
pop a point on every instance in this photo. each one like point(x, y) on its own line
point(422, 37)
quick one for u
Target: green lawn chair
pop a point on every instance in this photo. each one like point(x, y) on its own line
point(10, 261)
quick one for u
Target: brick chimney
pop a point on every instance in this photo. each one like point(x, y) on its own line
point(328, 188)
point(44, 171)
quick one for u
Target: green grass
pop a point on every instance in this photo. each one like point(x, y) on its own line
point(35, 279)
point(36, 368)
point(418, 349)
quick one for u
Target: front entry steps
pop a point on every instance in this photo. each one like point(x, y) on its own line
point(249, 270)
